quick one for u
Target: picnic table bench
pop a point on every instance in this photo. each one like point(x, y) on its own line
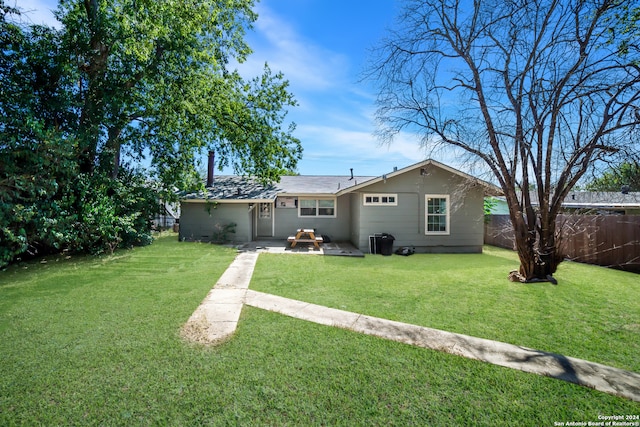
point(305, 235)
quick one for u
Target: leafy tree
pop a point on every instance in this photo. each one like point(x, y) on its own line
point(154, 79)
point(46, 204)
point(625, 174)
point(143, 77)
point(34, 123)
point(534, 88)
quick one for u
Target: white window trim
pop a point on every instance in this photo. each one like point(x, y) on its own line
point(317, 215)
point(447, 215)
point(380, 202)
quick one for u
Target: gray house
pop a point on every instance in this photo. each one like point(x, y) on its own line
point(429, 206)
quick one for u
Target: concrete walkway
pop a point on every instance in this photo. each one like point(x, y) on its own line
point(217, 317)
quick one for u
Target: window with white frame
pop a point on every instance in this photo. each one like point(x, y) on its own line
point(437, 214)
point(316, 207)
point(380, 199)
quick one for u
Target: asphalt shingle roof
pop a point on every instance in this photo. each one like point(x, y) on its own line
point(238, 188)
point(595, 199)
point(228, 187)
point(309, 184)
point(602, 199)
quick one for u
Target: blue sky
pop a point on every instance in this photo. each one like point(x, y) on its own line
point(322, 47)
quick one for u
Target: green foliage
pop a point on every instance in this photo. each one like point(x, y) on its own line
point(154, 79)
point(221, 232)
point(625, 29)
point(47, 210)
point(489, 204)
point(133, 77)
point(46, 203)
point(111, 213)
point(36, 167)
point(32, 208)
point(626, 173)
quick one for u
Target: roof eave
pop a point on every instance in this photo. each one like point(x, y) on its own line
point(490, 189)
point(306, 194)
point(228, 200)
point(601, 205)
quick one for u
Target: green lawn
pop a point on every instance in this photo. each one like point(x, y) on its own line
point(593, 314)
point(95, 341)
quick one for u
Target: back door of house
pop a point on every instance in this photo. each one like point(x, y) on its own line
point(264, 220)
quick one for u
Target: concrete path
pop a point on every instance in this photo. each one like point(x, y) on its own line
point(217, 317)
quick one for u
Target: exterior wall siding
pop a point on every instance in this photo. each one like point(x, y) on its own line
point(356, 206)
point(199, 222)
point(337, 228)
point(406, 221)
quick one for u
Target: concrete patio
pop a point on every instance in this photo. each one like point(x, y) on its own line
point(282, 246)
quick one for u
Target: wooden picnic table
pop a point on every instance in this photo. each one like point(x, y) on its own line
point(305, 235)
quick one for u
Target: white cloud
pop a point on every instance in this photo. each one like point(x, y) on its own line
point(307, 65)
point(333, 150)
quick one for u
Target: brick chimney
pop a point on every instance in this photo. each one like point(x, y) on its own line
point(210, 166)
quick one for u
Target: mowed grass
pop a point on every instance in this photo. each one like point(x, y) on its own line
point(95, 341)
point(593, 313)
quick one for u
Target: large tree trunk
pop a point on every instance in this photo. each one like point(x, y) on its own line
point(538, 249)
point(95, 72)
point(89, 132)
point(113, 147)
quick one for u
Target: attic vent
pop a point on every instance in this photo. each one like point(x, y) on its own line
point(423, 171)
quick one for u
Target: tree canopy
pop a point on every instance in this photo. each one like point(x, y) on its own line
point(536, 89)
point(623, 177)
point(154, 78)
point(127, 79)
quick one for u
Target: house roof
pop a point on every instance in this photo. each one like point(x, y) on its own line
point(235, 188)
point(230, 189)
point(490, 189)
point(594, 200)
point(319, 184)
point(602, 200)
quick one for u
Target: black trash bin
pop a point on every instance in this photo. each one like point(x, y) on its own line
point(386, 244)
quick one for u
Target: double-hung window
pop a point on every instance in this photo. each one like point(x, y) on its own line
point(316, 207)
point(437, 214)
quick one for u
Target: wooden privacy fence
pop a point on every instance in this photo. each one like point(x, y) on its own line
point(607, 240)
